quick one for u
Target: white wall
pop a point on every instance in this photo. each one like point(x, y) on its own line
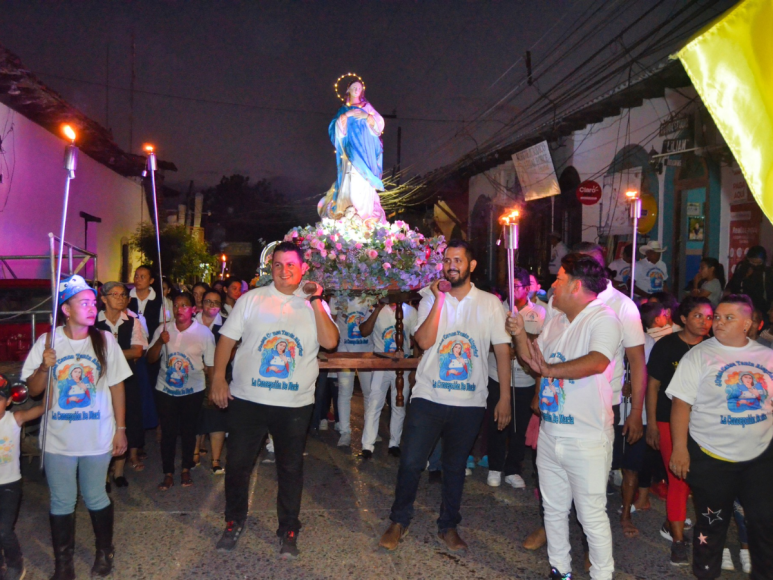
point(32, 193)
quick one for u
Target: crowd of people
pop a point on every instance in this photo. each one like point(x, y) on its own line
point(667, 395)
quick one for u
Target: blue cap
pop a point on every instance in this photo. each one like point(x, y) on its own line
point(71, 286)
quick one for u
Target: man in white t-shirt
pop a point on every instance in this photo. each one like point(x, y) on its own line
point(349, 314)
point(574, 452)
point(651, 272)
point(506, 449)
point(722, 427)
point(622, 269)
point(381, 326)
point(272, 391)
point(456, 330)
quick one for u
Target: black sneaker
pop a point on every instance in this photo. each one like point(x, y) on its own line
point(436, 476)
point(679, 556)
point(556, 575)
point(366, 454)
point(289, 549)
point(230, 536)
point(394, 451)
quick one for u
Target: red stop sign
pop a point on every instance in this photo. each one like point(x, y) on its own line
point(589, 192)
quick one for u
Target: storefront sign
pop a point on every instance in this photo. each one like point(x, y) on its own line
point(674, 125)
point(589, 192)
point(739, 190)
point(536, 173)
point(676, 145)
point(745, 220)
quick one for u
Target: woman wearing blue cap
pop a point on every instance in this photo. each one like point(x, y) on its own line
point(86, 421)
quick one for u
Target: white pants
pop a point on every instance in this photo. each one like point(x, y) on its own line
point(381, 383)
point(345, 390)
point(576, 469)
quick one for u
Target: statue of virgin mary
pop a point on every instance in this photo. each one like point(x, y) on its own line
point(356, 134)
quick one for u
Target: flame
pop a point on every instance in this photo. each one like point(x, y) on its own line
point(632, 194)
point(508, 218)
point(222, 257)
point(148, 148)
point(69, 132)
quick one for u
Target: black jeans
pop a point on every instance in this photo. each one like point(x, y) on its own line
point(425, 423)
point(325, 391)
point(715, 484)
point(10, 500)
point(248, 424)
point(500, 458)
point(178, 415)
point(135, 430)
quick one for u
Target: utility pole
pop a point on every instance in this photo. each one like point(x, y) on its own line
point(131, 99)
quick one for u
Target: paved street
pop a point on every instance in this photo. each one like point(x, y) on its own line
point(345, 509)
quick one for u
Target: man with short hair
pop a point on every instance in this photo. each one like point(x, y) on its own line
point(574, 451)
point(272, 391)
point(448, 401)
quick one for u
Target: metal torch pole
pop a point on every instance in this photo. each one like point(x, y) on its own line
point(70, 164)
point(511, 244)
point(151, 170)
point(635, 214)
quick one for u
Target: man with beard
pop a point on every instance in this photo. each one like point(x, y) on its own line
point(460, 324)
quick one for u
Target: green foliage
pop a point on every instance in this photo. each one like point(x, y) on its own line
point(184, 257)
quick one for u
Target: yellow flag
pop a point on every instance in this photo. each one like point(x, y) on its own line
point(731, 66)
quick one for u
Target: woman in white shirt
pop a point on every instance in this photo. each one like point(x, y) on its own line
point(722, 429)
point(80, 439)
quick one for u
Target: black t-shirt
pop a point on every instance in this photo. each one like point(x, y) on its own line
point(664, 359)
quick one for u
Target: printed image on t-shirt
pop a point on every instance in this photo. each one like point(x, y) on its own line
point(625, 274)
point(551, 395)
point(745, 390)
point(177, 371)
point(455, 360)
point(278, 357)
point(353, 334)
point(655, 276)
point(6, 451)
point(76, 385)
point(389, 339)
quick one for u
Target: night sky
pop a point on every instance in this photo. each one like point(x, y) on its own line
point(431, 61)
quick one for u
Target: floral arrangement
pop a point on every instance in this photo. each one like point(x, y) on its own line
point(352, 254)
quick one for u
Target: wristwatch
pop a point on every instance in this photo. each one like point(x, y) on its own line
point(315, 297)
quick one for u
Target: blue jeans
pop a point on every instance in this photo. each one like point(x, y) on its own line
point(425, 423)
point(435, 463)
point(326, 390)
point(91, 472)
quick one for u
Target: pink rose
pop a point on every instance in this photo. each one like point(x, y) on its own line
point(386, 265)
point(438, 266)
point(320, 233)
point(372, 254)
point(332, 255)
point(323, 253)
point(342, 257)
point(358, 246)
point(338, 246)
point(307, 255)
point(294, 234)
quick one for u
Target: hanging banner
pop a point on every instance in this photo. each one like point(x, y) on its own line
point(536, 173)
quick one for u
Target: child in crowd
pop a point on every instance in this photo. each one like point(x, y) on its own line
point(10, 479)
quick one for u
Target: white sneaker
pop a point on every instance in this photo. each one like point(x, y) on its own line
point(494, 478)
point(746, 561)
point(727, 560)
point(516, 481)
point(345, 440)
point(467, 472)
point(323, 425)
point(379, 439)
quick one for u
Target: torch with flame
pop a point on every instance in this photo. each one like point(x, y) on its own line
point(509, 223)
point(635, 199)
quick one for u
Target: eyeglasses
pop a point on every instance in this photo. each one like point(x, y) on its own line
point(212, 303)
point(521, 286)
point(117, 295)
